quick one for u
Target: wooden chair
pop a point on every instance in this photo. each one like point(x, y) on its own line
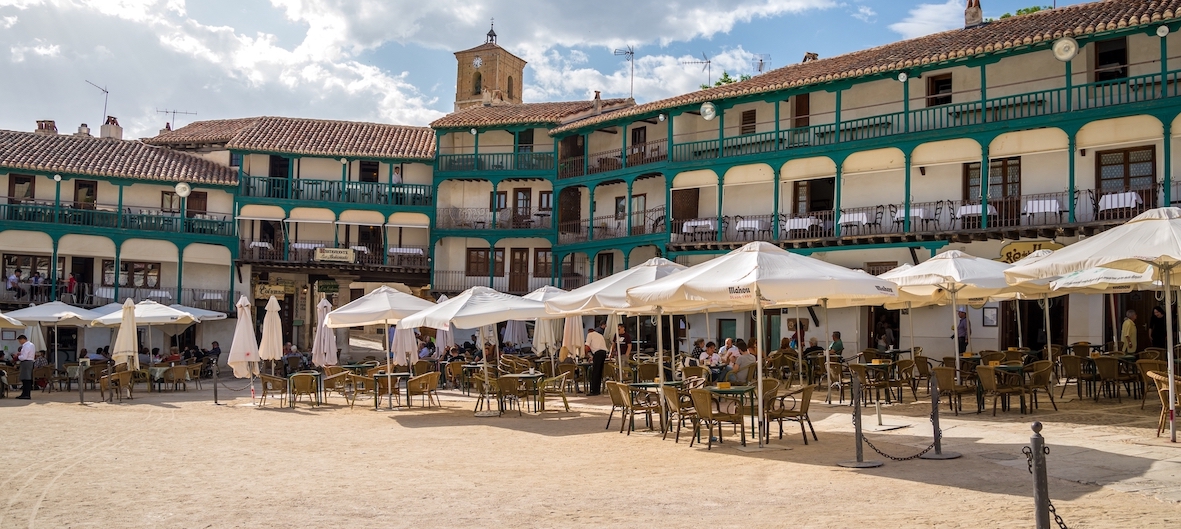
point(1072, 368)
point(178, 376)
point(508, 390)
point(710, 416)
point(303, 384)
point(945, 379)
point(1161, 380)
point(555, 387)
point(421, 367)
point(425, 385)
point(272, 385)
point(875, 382)
point(836, 377)
point(44, 373)
point(995, 389)
point(360, 385)
point(779, 412)
point(1143, 367)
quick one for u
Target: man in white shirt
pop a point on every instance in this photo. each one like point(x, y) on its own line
point(729, 351)
point(596, 345)
point(13, 284)
point(26, 353)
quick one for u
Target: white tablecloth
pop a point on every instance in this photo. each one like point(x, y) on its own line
point(1129, 199)
point(307, 245)
point(261, 244)
point(920, 213)
point(800, 223)
point(691, 226)
point(1043, 205)
point(968, 210)
point(752, 225)
point(104, 292)
point(360, 249)
point(405, 251)
point(859, 218)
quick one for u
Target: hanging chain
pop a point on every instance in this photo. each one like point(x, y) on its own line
point(1029, 463)
point(883, 454)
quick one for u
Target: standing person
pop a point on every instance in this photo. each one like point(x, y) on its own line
point(13, 284)
point(623, 342)
point(596, 345)
point(1128, 332)
point(1157, 328)
point(26, 354)
point(962, 330)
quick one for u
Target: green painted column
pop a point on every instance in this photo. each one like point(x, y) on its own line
point(629, 209)
point(906, 199)
point(1069, 87)
point(122, 224)
point(231, 301)
point(344, 178)
point(1071, 197)
point(53, 272)
point(118, 265)
point(1167, 155)
point(836, 195)
point(985, 180)
point(776, 180)
point(476, 151)
point(906, 105)
point(590, 223)
point(777, 143)
point(180, 273)
point(590, 268)
point(670, 137)
point(57, 198)
point(984, 93)
point(721, 133)
point(721, 191)
point(837, 119)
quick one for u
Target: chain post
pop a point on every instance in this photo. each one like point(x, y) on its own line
point(860, 462)
point(216, 361)
point(939, 454)
point(1041, 486)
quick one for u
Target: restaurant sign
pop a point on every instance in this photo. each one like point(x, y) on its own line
point(334, 255)
point(327, 287)
point(1016, 251)
point(264, 291)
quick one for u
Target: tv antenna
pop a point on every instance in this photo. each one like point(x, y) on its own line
point(707, 68)
point(629, 55)
point(106, 94)
point(174, 113)
point(761, 62)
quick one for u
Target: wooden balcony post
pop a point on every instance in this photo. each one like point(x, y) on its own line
point(721, 187)
point(118, 265)
point(120, 212)
point(984, 93)
point(776, 175)
point(53, 272)
point(590, 225)
point(985, 177)
point(906, 198)
point(906, 105)
point(837, 124)
point(669, 154)
point(629, 212)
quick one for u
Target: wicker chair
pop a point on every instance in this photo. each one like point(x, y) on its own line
point(360, 385)
point(1072, 368)
point(421, 367)
point(708, 414)
point(779, 411)
point(680, 409)
point(995, 389)
point(111, 386)
point(904, 377)
point(648, 371)
point(1161, 380)
point(303, 384)
point(1040, 377)
point(1143, 367)
point(508, 390)
point(1111, 376)
point(555, 387)
point(837, 376)
point(875, 382)
point(619, 402)
point(922, 367)
point(945, 378)
point(696, 371)
point(272, 385)
point(384, 386)
point(178, 376)
point(425, 386)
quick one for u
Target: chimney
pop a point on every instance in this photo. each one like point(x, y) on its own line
point(111, 129)
point(598, 103)
point(46, 126)
point(973, 15)
point(167, 128)
point(83, 130)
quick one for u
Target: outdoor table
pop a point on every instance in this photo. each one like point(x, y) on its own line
point(800, 223)
point(357, 369)
point(1019, 372)
point(740, 392)
point(859, 218)
point(536, 378)
point(973, 210)
point(752, 225)
point(654, 385)
point(1127, 199)
point(691, 226)
point(1044, 206)
point(919, 213)
point(397, 375)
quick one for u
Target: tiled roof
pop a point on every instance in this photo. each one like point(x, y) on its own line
point(1044, 26)
point(544, 114)
point(203, 132)
point(104, 157)
point(309, 137)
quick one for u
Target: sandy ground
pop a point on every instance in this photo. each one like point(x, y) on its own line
point(176, 460)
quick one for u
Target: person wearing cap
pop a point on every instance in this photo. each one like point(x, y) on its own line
point(963, 329)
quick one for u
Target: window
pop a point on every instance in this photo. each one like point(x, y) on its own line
point(477, 84)
point(525, 140)
point(543, 262)
point(939, 90)
point(620, 208)
point(1126, 170)
point(132, 274)
point(85, 193)
point(280, 167)
point(814, 195)
point(369, 171)
point(497, 200)
point(1111, 59)
point(478, 262)
point(604, 265)
point(801, 109)
point(32, 263)
point(545, 200)
point(21, 187)
point(1004, 179)
point(235, 159)
point(639, 135)
point(169, 202)
point(878, 268)
point(749, 117)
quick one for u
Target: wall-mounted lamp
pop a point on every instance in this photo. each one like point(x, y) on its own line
point(923, 170)
point(344, 161)
point(1162, 31)
point(473, 131)
point(660, 118)
point(57, 178)
point(1083, 152)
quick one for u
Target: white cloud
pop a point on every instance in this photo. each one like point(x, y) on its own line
point(926, 19)
point(40, 48)
point(865, 14)
point(7, 22)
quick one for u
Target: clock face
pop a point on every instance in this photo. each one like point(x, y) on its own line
point(477, 62)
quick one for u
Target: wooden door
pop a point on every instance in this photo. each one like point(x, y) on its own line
point(637, 149)
point(523, 207)
point(197, 204)
point(20, 188)
point(802, 108)
point(570, 210)
point(518, 270)
point(85, 193)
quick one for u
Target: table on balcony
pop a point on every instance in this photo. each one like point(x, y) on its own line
point(307, 245)
point(261, 244)
point(1043, 206)
point(360, 249)
point(406, 251)
point(697, 227)
point(857, 218)
point(159, 294)
point(1127, 199)
point(970, 214)
point(914, 213)
point(752, 226)
point(104, 292)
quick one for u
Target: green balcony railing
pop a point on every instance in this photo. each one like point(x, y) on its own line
point(696, 150)
point(376, 193)
point(499, 161)
point(130, 218)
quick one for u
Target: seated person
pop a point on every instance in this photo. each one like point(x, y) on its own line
point(837, 346)
point(143, 356)
point(173, 356)
point(738, 373)
point(813, 346)
point(95, 356)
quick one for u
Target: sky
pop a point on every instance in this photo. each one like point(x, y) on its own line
point(390, 61)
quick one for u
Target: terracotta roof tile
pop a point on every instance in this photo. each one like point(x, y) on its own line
point(1043, 26)
point(105, 157)
point(308, 137)
point(542, 114)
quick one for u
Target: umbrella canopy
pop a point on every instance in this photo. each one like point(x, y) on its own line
point(244, 349)
point(126, 342)
point(149, 313)
point(516, 333)
point(445, 337)
point(54, 313)
point(271, 345)
point(779, 277)
point(486, 335)
point(477, 307)
point(8, 322)
point(108, 308)
point(954, 272)
point(1101, 280)
point(200, 314)
point(543, 294)
point(324, 343)
point(609, 294)
point(35, 336)
point(383, 306)
point(404, 345)
point(572, 335)
point(546, 334)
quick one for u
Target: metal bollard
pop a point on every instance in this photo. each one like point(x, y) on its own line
point(215, 402)
point(860, 462)
point(938, 453)
point(1041, 485)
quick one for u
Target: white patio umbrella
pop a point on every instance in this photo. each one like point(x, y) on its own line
point(515, 332)
point(477, 307)
point(243, 357)
point(8, 322)
point(201, 314)
point(270, 347)
point(404, 343)
point(444, 338)
point(573, 337)
point(384, 306)
point(126, 348)
point(35, 335)
point(609, 294)
point(960, 277)
point(324, 343)
point(1151, 239)
point(755, 275)
point(53, 313)
point(150, 314)
point(547, 332)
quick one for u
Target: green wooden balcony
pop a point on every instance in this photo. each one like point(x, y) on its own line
point(301, 189)
point(129, 218)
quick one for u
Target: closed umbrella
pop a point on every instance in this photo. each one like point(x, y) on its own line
point(404, 344)
point(324, 343)
point(547, 332)
point(243, 357)
point(270, 347)
point(516, 333)
point(572, 336)
point(445, 337)
point(125, 350)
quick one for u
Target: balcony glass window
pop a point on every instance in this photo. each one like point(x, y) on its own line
point(1127, 169)
point(478, 262)
point(1111, 59)
point(31, 263)
point(132, 274)
point(545, 200)
point(749, 121)
point(369, 171)
point(525, 140)
point(939, 90)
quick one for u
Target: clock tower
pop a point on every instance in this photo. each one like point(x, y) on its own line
point(488, 75)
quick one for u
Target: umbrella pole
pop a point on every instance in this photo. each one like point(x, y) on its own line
point(389, 354)
point(619, 352)
point(152, 359)
point(799, 347)
point(1165, 277)
point(1020, 339)
point(659, 345)
point(910, 317)
point(759, 353)
point(827, 350)
point(1049, 340)
point(955, 337)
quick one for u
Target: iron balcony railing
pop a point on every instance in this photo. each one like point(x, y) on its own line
point(304, 251)
point(130, 218)
point(374, 193)
point(507, 161)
